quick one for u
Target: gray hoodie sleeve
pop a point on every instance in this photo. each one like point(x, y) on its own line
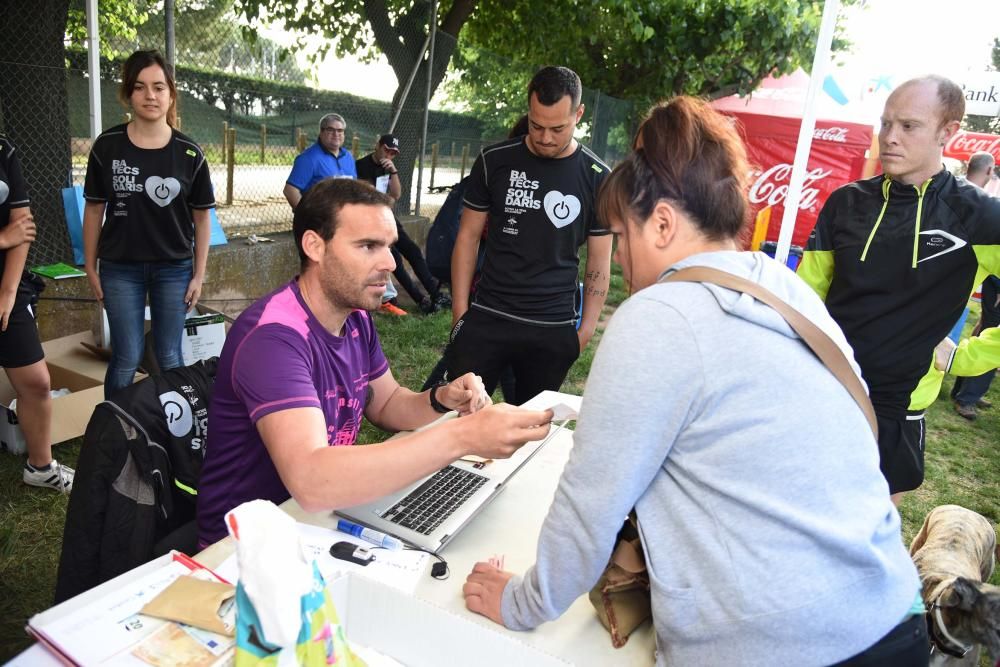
point(623, 437)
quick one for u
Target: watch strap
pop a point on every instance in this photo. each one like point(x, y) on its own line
point(435, 403)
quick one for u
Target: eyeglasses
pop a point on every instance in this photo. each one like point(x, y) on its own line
point(333, 130)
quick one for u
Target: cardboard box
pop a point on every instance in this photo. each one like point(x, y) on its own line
point(416, 633)
point(70, 413)
point(204, 335)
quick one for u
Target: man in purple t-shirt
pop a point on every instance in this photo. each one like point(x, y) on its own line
point(302, 366)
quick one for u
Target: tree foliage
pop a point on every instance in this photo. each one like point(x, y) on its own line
point(207, 36)
point(395, 28)
point(116, 20)
point(637, 50)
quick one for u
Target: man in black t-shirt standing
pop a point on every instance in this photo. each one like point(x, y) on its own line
point(378, 169)
point(537, 194)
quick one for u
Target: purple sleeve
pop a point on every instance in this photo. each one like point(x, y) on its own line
point(272, 371)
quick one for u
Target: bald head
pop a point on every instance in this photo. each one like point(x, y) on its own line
point(919, 118)
point(980, 169)
point(950, 100)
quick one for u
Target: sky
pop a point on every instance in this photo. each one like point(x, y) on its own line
point(913, 37)
point(894, 39)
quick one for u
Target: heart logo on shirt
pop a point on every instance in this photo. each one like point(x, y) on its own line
point(561, 209)
point(4, 191)
point(162, 190)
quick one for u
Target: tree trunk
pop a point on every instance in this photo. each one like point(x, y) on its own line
point(401, 43)
point(33, 103)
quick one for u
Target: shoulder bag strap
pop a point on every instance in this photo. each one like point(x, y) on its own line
point(821, 344)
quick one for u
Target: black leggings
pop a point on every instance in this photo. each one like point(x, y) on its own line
point(906, 645)
point(405, 247)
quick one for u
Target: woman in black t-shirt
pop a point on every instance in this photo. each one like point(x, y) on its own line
point(150, 186)
point(20, 348)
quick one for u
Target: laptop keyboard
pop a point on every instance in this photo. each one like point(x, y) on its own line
point(428, 505)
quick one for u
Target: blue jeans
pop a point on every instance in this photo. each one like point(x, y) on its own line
point(125, 285)
point(969, 390)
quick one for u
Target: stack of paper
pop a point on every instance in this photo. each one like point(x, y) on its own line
point(104, 627)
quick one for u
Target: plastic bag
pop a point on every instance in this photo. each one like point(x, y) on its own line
point(284, 613)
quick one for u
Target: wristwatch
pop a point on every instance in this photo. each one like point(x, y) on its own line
point(435, 403)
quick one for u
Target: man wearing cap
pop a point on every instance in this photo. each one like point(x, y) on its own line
point(378, 169)
point(324, 159)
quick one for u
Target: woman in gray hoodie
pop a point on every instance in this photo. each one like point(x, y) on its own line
point(769, 535)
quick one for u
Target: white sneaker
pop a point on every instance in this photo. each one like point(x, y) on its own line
point(53, 476)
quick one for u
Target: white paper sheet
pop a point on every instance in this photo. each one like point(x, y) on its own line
point(401, 570)
point(112, 631)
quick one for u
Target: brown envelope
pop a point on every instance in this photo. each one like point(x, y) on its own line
point(195, 602)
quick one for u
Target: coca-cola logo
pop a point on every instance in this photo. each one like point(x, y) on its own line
point(835, 134)
point(772, 186)
point(966, 144)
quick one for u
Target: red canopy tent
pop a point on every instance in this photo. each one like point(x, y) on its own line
point(769, 123)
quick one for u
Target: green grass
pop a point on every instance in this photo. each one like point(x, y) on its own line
point(961, 468)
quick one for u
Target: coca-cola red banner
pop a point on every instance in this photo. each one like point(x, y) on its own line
point(963, 144)
point(837, 157)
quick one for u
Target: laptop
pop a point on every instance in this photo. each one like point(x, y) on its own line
point(431, 511)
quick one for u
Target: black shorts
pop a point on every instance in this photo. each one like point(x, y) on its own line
point(19, 344)
point(487, 344)
point(901, 451)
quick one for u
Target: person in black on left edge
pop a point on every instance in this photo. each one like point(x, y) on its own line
point(378, 169)
point(21, 352)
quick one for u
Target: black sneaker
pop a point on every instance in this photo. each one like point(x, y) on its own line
point(442, 301)
point(427, 306)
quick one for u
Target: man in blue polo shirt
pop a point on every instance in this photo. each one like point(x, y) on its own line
point(324, 159)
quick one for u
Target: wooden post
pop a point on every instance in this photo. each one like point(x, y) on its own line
point(434, 164)
point(451, 156)
point(301, 139)
point(355, 143)
point(263, 141)
point(231, 163)
point(465, 158)
point(180, 125)
point(225, 139)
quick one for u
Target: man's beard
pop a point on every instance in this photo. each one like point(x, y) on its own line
point(344, 293)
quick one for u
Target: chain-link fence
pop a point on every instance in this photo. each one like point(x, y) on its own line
point(249, 109)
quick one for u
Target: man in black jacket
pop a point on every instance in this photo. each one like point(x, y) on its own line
point(896, 257)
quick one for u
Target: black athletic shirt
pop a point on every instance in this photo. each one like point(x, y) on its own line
point(371, 171)
point(149, 195)
point(13, 191)
point(541, 210)
point(896, 264)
